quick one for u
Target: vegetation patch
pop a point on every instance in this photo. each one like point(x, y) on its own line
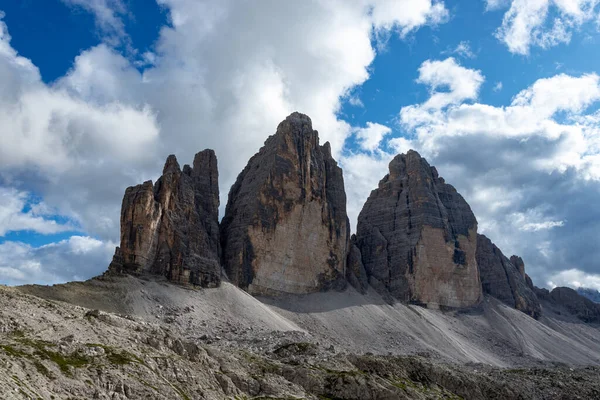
point(41, 368)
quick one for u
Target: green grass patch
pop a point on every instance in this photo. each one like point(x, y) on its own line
point(41, 368)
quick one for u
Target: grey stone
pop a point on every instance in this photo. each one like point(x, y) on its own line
point(505, 279)
point(171, 228)
point(285, 228)
point(417, 237)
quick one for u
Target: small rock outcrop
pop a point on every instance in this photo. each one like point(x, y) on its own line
point(505, 279)
point(418, 237)
point(285, 228)
point(171, 228)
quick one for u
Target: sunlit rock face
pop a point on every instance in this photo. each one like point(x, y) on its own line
point(418, 237)
point(171, 228)
point(285, 228)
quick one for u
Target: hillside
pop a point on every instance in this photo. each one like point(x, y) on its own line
point(153, 339)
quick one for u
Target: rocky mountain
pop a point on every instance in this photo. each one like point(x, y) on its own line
point(592, 294)
point(171, 228)
point(575, 304)
point(285, 228)
point(505, 279)
point(418, 237)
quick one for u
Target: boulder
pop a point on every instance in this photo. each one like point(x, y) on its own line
point(418, 237)
point(171, 228)
point(505, 279)
point(285, 228)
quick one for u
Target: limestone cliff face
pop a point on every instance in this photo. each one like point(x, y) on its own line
point(285, 227)
point(355, 269)
point(171, 228)
point(418, 237)
point(505, 279)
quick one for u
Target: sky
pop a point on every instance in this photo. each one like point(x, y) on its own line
point(502, 96)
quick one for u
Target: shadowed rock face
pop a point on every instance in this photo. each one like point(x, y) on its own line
point(171, 228)
point(418, 237)
point(505, 279)
point(355, 270)
point(581, 307)
point(285, 227)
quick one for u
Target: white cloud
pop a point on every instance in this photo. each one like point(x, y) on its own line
point(533, 221)
point(525, 23)
point(464, 50)
point(362, 173)
point(356, 101)
point(107, 14)
point(406, 15)
point(492, 5)
point(371, 136)
point(461, 84)
point(530, 170)
point(530, 114)
point(575, 278)
point(78, 257)
point(498, 87)
point(37, 218)
point(222, 75)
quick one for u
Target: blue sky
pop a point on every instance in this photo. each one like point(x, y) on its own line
point(501, 95)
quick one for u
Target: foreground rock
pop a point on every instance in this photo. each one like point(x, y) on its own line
point(505, 279)
point(418, 237)
point(285, 227)
point(171, 228)
point(54, 350)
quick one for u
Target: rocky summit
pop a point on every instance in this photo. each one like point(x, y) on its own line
point(171, 228)
point(285, 228)
point(505, 279)
point(418, 237)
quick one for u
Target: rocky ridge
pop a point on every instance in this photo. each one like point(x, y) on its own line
point(577, 305)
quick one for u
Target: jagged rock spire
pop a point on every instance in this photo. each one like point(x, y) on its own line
point(285, 227)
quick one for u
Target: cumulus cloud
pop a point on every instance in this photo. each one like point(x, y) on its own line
point(76, 258)
point(37, 218)
point(526, 23)
point(371, 136)
point(575, 278)
point(222, 75)
point(528, 169)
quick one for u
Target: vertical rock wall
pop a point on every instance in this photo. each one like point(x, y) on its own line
point(171, 228)
point(285, 228)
